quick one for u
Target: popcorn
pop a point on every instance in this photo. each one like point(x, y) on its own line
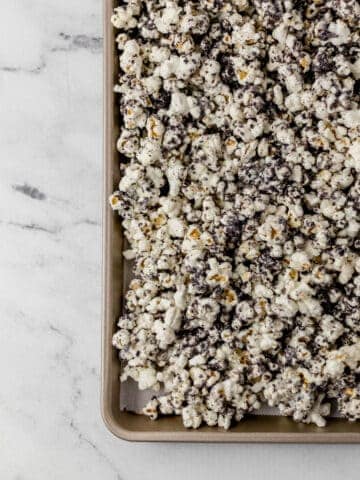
point(354, 152)
point(159, 54)
point(128, 143)
point(351, 118)
point(155, 128)
point(130, 60)
point(174, 173)
point(169, 18)
point(123, 18)
point(210, 72)
point(239, 197)
point(194, 22)
point(191, 417)
point(150, 152)
point(300, 261)
point(176, 228)
point(179, 104)
point(340, 32)
point(147, 378)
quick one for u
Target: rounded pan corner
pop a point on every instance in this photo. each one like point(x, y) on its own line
point(112, 424)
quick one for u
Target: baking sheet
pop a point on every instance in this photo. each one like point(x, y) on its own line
point(131, 427)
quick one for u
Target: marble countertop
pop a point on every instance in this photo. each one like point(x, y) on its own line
point(50, 255)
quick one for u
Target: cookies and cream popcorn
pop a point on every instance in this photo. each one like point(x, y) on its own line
point(239, 153)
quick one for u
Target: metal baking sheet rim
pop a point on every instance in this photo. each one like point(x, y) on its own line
point(132, 427)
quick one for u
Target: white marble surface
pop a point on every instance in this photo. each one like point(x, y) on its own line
point(50, 234)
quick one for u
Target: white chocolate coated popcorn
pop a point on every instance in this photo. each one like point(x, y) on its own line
point(240, 198)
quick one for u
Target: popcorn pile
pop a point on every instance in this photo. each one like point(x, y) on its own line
point(240, 160)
